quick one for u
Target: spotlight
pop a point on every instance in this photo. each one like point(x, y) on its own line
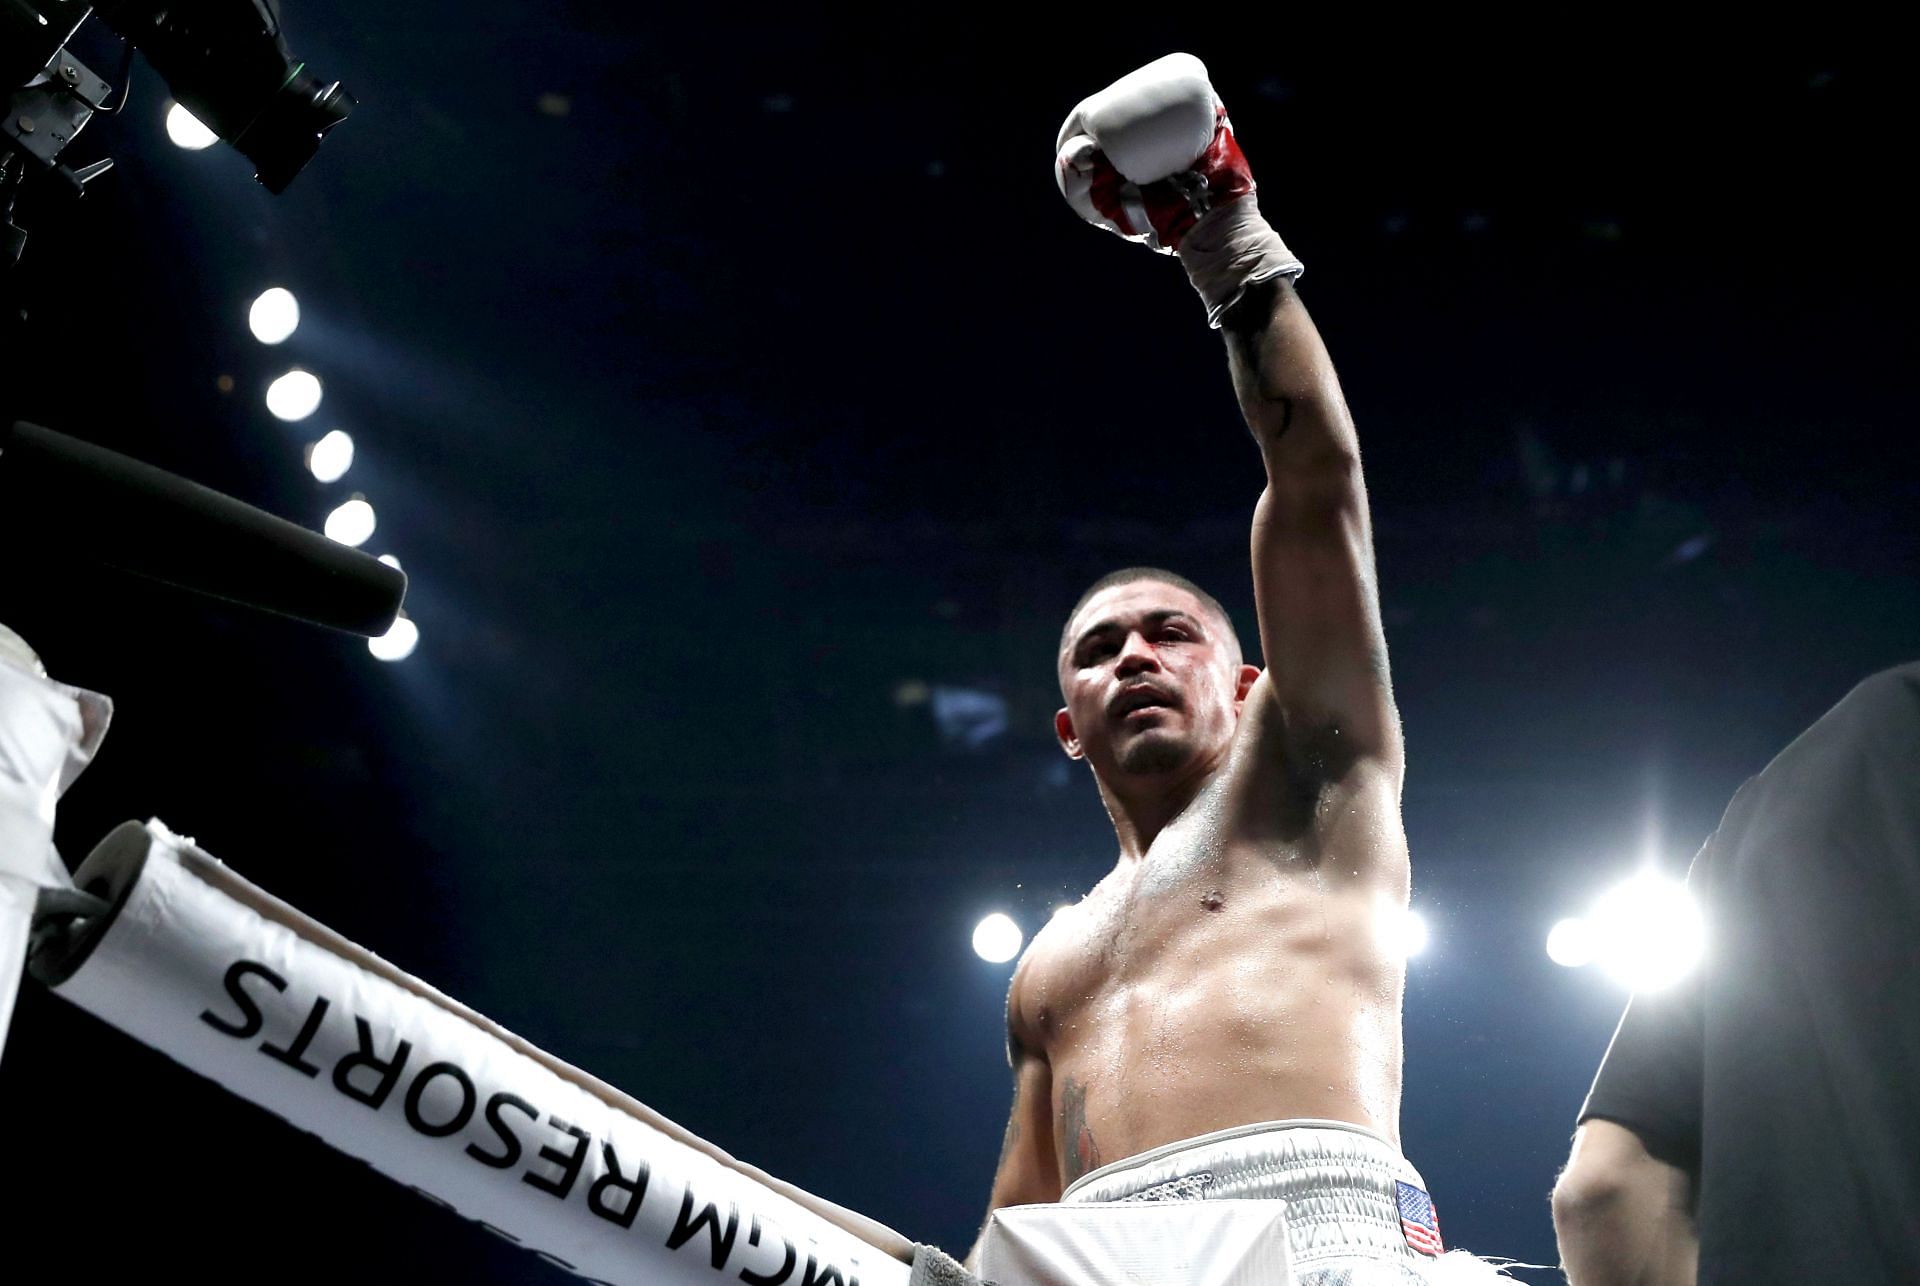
point(396, 644)
point(274, 315)
point(1570, 943)
point(330, 457)
point(294, 396)
point(1402, 930)
point(230, 64)
point(185, 129)
point(390, 561)
point(997, 939)
point(351, 523)
point(1414, 935)
point(1647, 931)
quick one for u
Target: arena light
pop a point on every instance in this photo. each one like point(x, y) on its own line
point(997, 939)
point(1650, 933)
point(1645, 933)
point(1402, 930)
point(1571, 943)
point(294, 396)
point(185, 129)
point(397, 643)
point(1414, 934)
point(273, 315)
point(330, 457)
point(351, 523)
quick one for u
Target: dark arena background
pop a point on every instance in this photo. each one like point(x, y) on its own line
point(747, 410)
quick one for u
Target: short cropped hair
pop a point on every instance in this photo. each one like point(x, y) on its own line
point(1127, 576)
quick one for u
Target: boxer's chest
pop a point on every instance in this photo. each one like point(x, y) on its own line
point(1186, 912)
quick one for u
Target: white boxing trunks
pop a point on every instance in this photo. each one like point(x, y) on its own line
point(1357, 1213)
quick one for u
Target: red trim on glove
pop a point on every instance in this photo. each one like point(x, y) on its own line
point(1169, 208)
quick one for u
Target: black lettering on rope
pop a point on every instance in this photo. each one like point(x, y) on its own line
point(417, 1091)
point(768, 1279)
point(635, 1188)
point(388, 1071)
point(250, 1017)
point(510, 1141)
point(294, 1055)
point(569, 1162)
point(688, 1223)
point(824, 1274)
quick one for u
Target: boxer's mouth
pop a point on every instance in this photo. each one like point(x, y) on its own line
point(1141, 696)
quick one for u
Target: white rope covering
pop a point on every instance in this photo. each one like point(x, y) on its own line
point(228, 981)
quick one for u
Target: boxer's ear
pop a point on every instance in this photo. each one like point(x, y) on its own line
point(1063, 729)
point(1244, 684)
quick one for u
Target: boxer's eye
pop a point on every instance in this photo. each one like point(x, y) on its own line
point(1094, 652)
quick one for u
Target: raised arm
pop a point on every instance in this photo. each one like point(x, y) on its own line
point(1153, 157)
point(1313, 571)
point(1028, 1172)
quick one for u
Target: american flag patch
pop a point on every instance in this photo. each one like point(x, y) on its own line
point(1418, 1219)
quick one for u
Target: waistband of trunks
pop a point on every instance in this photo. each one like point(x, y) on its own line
point(1343, 1185)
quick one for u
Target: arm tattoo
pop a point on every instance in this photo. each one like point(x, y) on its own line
point(1249, 349)
point(1082, 1153)
point(1285, 404)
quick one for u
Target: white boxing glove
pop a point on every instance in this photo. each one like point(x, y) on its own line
point(1152, 157)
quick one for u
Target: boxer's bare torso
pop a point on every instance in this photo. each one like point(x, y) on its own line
point(1240, 963)
point(1244, 969)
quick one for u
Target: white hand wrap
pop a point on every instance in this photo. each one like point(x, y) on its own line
point(1231, 249)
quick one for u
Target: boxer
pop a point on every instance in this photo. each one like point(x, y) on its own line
point(1220, 1016)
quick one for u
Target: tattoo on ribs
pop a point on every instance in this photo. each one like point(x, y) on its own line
point(1083, 1154)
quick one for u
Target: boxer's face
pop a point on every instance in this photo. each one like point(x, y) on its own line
point(1151, 679)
